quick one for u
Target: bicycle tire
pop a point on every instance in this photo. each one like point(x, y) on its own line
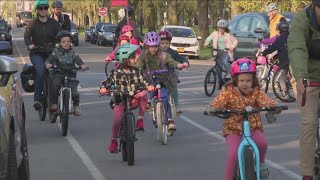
point(249, 162)
point(162, 126)
point(130, 137)
point(64, 117)
point(213, 82)
point(316, 175)
point(106, 69)
point(173, 111)
point(276, 86)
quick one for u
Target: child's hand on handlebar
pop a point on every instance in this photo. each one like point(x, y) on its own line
point(181, 66)
point(103, 90)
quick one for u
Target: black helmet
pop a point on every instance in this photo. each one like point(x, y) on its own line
point(63, 33)
point(283, 27)
point(57, 4)
point(129, 10)
point(27, 74)
point(316, 2)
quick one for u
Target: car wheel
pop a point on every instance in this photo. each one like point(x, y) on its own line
point(12, 159)
point(23, 169)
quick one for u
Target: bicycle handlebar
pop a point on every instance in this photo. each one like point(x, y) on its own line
point(247, 110)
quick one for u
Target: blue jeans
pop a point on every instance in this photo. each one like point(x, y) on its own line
point(165, 97)
point(223, 61)
point(38, 63)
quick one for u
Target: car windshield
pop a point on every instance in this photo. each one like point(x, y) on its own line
point(3, 25)
point(110, 29)
point(73, 26)
point(181, 32)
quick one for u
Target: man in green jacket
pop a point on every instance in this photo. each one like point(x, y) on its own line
point(304, 57)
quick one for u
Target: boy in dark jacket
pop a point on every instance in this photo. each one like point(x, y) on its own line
point(166, 38)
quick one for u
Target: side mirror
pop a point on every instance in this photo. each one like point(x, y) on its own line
point(8, 66)
point(199, 37)
point(259, 30)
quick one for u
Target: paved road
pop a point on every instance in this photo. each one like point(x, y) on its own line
point(196, 151)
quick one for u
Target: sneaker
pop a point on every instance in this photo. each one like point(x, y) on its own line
point(53, 108)
point(264, 171)
point(113, 148)
point(37, 105)
point(178, 113)
point(307, 178)
point(76, 111)
point(140, 125)
point(171, 125)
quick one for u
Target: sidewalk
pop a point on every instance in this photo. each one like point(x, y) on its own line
point(201, 62)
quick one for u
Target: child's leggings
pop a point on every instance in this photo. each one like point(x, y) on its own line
point(233, 142)
point(140, 99)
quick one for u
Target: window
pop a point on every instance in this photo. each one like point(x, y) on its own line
point(243, 25)
point(258, 23)
point(232, 25)
point(110, 29)
point(181, 32)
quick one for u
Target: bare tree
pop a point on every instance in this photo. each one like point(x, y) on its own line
point(203, 19)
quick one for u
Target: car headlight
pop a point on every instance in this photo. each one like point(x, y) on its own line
point(73, 33)
point(195, 44)
point(3, 35)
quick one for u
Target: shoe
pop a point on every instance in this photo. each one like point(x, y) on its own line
point(140, 125)
point(171, 125)
point(307, 178)
point(76, 111)
point(178, 113)
point(37, 105)
point(53, 108)
point(113, 147)
point(264, 171)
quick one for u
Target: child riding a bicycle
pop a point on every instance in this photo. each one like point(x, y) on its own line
point(128, 31)
point(166, 38)
point(223, 40)
point(241, 92)
point(123, 39)
point(125, 78)
point(65, 57)
point(154, 59)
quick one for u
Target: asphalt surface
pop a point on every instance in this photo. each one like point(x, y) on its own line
point(196, 151)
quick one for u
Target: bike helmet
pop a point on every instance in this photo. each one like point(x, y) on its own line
point(63, 33)
point(41, 3)
point(243, 65)
point(222, 23)
point(165, 35)
point(125, 51)
point(27, 74)
point(283, 27)
point(57, 4)
point(271, 7)
point(152, 39)
point(126, 28)
point(123, 37)
point(129, 10)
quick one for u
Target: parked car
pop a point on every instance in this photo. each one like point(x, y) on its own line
point(106, 35)
point(5, 38)
point(14, 161)
point(96, 32)
point(88, 33)
point(184, 40)
point(75, 34)
point(247, 28)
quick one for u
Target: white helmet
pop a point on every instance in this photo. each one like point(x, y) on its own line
point(271, 7)
point(222, 23)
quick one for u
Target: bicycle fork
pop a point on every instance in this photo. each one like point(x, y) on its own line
point(247, 141)
point(61, 104)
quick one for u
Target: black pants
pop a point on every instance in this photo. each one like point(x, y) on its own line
point(56, 83)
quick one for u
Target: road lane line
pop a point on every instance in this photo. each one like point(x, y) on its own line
point(20, 54)
point(95, 172)
point(272, 164)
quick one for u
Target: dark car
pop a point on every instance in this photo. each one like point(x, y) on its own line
point(88, 33)
point(106, 35)
point(96, 32)
point(14, 163)
point(5, 38)
point(75, 34)
point(247, 28)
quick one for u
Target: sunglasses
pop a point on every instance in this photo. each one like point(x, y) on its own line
point(44, 8)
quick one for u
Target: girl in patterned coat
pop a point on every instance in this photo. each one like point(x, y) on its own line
point(241, 92)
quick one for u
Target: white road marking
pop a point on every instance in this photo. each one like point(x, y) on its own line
point(272, 164)
point(20, 54)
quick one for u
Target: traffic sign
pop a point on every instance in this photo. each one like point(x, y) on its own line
point(103, 11)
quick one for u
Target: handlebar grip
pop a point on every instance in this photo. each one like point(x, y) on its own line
point(304, 94)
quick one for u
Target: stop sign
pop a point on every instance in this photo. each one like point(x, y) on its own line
point(102, 11)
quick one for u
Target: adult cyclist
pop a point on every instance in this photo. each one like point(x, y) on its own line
point(304, 58)
point(39, 36)
point(63, 19)
point(128, 20)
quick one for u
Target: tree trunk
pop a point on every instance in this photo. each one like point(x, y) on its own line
point(172, 12)
point(181, 18)
point(152, 19)
point(203, 19)
point(90, 15)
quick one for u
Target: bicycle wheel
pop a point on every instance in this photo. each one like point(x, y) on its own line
point(210, 81)
point(316, 175)
point(249, 163)
point(173, 111)
point(43, 111)
point(130, 137)
point(109, 67)
point(64, 117)
point(262, 73)
point(106, 69)
point(285, 94)
point(162, 131)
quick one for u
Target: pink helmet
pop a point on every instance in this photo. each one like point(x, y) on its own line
point(243, 65)
point(126, 28)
